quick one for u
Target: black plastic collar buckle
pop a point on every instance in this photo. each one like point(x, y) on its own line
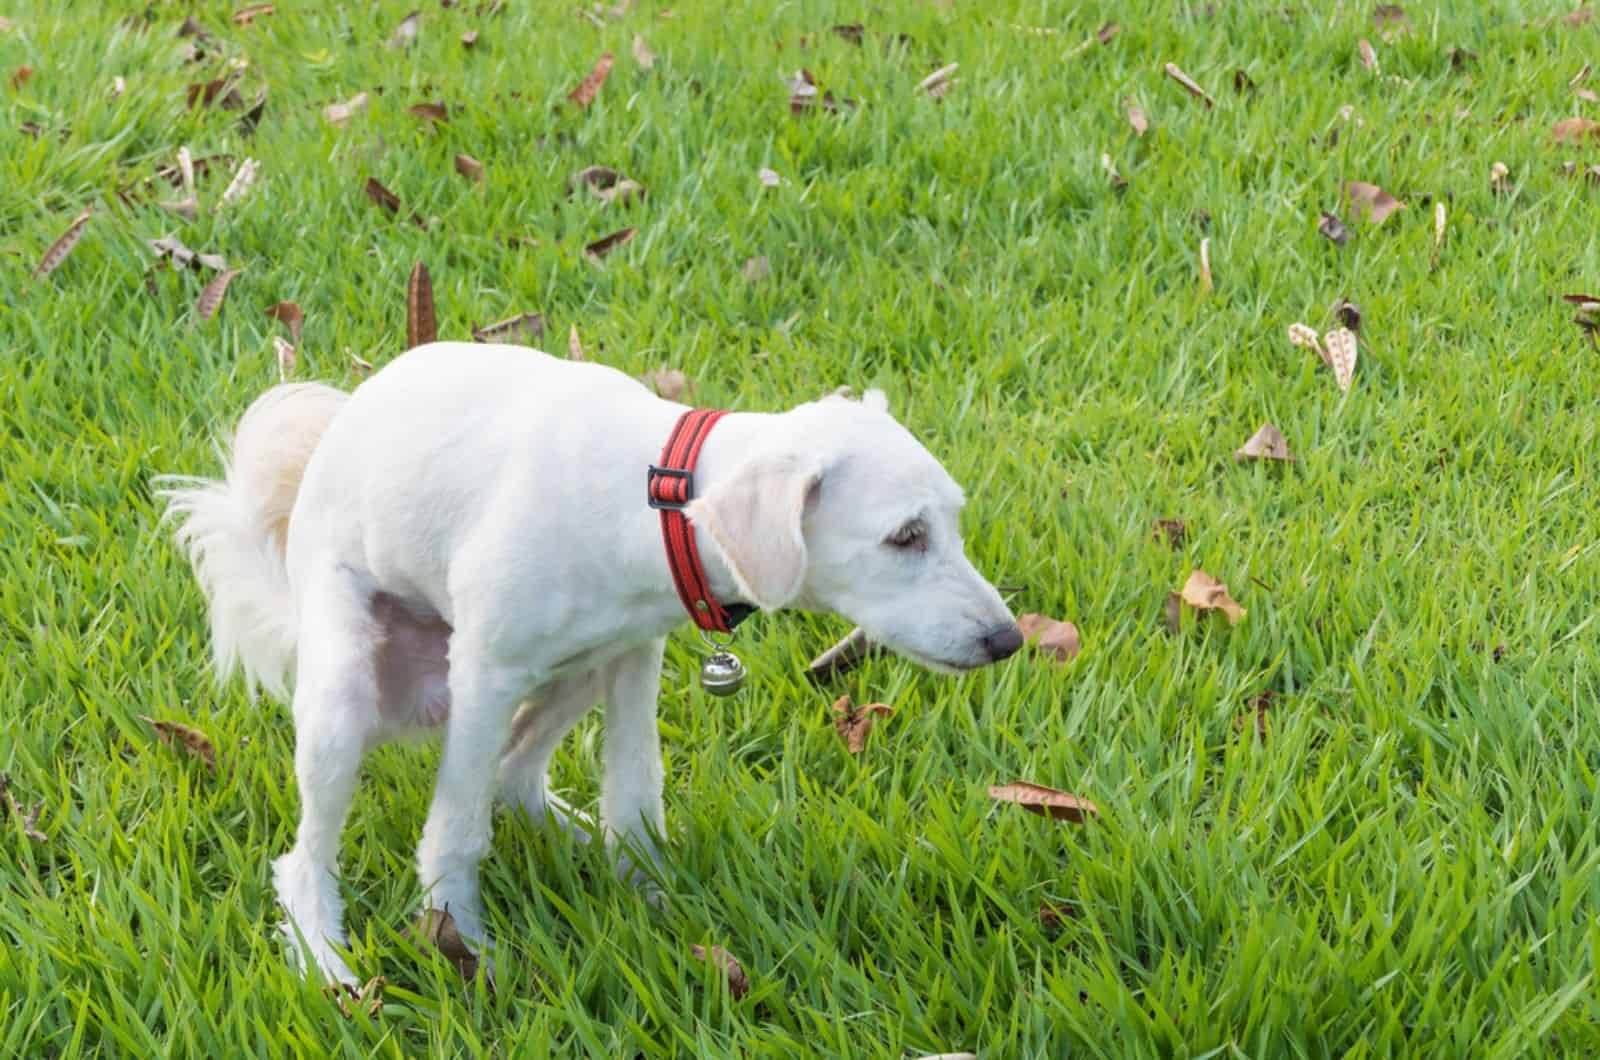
point(651, 482)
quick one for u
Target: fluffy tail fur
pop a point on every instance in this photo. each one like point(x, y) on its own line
point(235, 530)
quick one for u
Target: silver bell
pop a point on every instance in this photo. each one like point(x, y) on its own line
point(722, 674)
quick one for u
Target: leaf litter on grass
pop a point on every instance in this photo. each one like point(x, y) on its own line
point(1046, 802)
point(854, 723)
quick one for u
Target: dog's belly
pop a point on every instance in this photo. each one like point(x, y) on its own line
point(412, 662)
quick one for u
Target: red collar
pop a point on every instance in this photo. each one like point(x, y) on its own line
point(669, 486)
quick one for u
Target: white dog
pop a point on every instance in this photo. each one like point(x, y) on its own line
point(468, 533)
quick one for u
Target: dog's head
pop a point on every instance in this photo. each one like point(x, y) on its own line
point(843, 510)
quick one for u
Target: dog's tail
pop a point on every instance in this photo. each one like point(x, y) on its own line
point(235, 530)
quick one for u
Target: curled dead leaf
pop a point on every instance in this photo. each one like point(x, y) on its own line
point(290, 316)
point(1188, 84)
point(1054, 915)
point(669, 383)
point(1136, 116)
point(1340, 344)
point(284, 351)
point(10, 807)
point(57, 252)
point(1052, 638)
point(1256, 716)
point(1268, 443)
point(339, 114)
point(421, 326)
point(405, 34)
point(1204, 593)
point(938, 84)
point(21, 76)
point(1172, 532)
point(582, 96)
point(1331, 226)
point(1348, 314)
point(172, 248)
point(1369, 58)
point(728, 964)
point(1575, 130)
point(853, 723)
point(241, 184)
point(212, 294)
point(1046, 802)
point(1369, 202)
point(436, 928)
point(182, 737)
point(247, 15)
point(606, 244)
point(431, 113)
point(469, 38)
point(388, 200)
point(843, 657)
point(524, 329)
point(470, 168)
point(607, 185)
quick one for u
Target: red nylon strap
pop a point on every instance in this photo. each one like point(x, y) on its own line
point(683, 557)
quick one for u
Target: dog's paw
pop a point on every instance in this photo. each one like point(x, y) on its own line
point(324, 959)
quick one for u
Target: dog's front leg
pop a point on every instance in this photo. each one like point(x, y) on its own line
point(631, 796)
point(483, 698)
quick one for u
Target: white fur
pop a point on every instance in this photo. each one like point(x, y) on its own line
point(464, 544)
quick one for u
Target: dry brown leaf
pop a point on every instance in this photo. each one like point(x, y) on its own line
point(367, 998)
point(405, 34)
point(284, 351)
point(843, 657)
point(437, 928)
point(853, 723)
point(1340, 344)
point(470, 168)
point(728, 964)
point(1461, 58)
point(574, 344)
point(421, 325)
point(1046, 802)
point(246, 16)
point(469, 38)
point(382, 196)
point(290, 316)
point(1188, 84)
point(1268, 443)
point(528, 326)
point(21, 77)
point(57, 252)
point(584, 94)
point(172, 248)
point(183, 737)
point(1106, 32)
point(204, 93)
point(1390, 20)
point(1369, 202)
point(607, 185)
point(1054, 915)
point(1575, 130)
point(938, 84)
point(1204, 593)
point(1256, 717)
point(1369, 58)
point(606, 244)
point(805, 96)
point(1588, 95)
point(1051, 637)
point(756, 269)
point(1136, 117)
point(1242, 83)
point(242, 181)
point(339, 114)
point(1205, 266)
point(669, 383)
point(1348, 314)
point(1500, 178)
point(1170, 531)
point(10, 807)
point(211, 295)
point(432, 113)
point(642, 53)
point(1174, 613)
point(854, 32)
point(1331, 226)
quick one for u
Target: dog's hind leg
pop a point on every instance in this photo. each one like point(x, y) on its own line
point(536, 731)
point(631, 796)
point(336, 716)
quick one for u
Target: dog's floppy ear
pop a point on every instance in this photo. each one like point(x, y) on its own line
point(755, 520)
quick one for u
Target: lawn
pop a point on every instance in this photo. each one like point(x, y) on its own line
point(1402, 857)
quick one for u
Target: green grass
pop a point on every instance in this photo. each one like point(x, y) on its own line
point(1409, 864)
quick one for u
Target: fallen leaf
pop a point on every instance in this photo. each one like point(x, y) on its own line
point(1170, 531)
point(1188, 84)
point(574, 344)
point(642, 53)
point(529, 326)
point(805, 96)
point(382, 196)
point(286, 359)
point(1136, 116)
point(1054, 915)
point(246, 16)
point(290, 316)
point(1174, 613)
point(10, 807)
point(1588, 315)
point(1390, 20)
point(432, 113)
point(1307, 338)
point(21, 77)
point(1349, 314)
point(607, 185)
point(1576, 79)
point(405, 34)
point(854, 32)
point(1046, 802)
point(1579, 18)
point(469, 38)
point(1256, 717)
point(843, 657)
point(669, 383)
point(367, 998)
point(211, 295)
point(1106, 32)
point(119, 85)
point(1050, 637)
point(470, 168)
point(1370, 202)
point(606, 244)
point(421, 327)
point(183, 737)
point(239, 187)
point(1575, 130)
point(204, 93)
point(57, 252)
point(1204, 593)
point(756, 269)
point(339, 114)
point(1242, 83)
point(1268, 443)
point(1369, 58)
point(769, 178)
point(1461, 58)
point(584, 94)
point(172, 248)
point(1205, 266)
point(1331, 226)
point(1341, 346)
point(1500, 178)
point(1588, 95)
point(854, 723)
point(437, 928)
point(728, 964)
point(937, 84)
point(1118, 181)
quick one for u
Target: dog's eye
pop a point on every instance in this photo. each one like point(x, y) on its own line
point(912, 535)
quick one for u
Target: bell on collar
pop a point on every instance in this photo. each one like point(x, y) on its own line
point(722, 674)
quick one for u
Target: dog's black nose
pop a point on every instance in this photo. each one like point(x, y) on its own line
point(1002, 642)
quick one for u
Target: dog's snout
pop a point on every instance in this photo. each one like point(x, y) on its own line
point(1002, 642)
